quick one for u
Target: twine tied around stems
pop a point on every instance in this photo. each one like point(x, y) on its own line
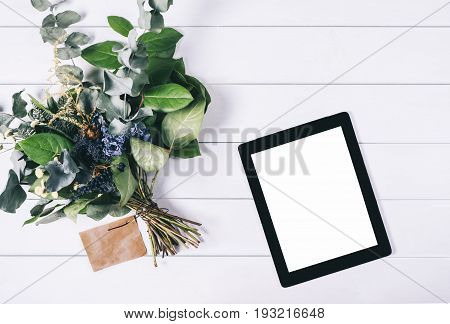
point(166, 231)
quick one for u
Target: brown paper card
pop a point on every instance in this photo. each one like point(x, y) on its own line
point(113, 243)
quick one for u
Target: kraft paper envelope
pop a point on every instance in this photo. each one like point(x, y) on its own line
point(113, 243)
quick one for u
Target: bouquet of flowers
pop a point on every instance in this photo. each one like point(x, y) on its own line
point(95, 149)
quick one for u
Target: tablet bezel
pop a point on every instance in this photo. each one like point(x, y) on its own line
point(383, 248)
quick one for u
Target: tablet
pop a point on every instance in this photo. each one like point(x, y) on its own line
point(314, 197)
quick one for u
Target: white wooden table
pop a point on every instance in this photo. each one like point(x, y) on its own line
point(259, 58)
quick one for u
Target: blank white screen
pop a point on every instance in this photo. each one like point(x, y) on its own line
point(314, 199)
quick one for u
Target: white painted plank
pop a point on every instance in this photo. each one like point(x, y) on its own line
point(270, 55)
point(232, 227)
point(218, 280)
point(386, 114)
point(398, 171)
point(251, 12)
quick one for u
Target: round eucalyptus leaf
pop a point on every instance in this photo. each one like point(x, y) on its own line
point(41, 5)
point(77, 39)
point(49, 21)
point(160, 5)
point(69, 74)
point(156, 22)
point(66, 18)
point(53, 35)
point(68, 53)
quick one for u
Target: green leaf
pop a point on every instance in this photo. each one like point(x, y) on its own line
point(100, 207)
point(160, 69)
point(102, 55)
point(160, 43)
point(181, 127)
point(69, 74)
point(189, 151)
point(19, 105)
point(148, 156)
point(41, 5)
point(77, 39)
point(120, 25)
point(31, 220)
point(13, 196)
point(66, 18)
point(38, 105)
point(41, 148)
point(167, 98)
point(57, 215)
point(73, 209)
point(124, 180)
point(119, 211)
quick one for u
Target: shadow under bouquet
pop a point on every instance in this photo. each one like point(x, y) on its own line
point(95, 149)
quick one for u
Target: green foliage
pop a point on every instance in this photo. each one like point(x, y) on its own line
point(41, 148)
point(181, 127)
point(120, 25)
point(19, 105)
point(124, 180)
point(161, 44)
point(102, 55)
point(189, 151)
point(75, 207)
point(41, 5)
point(148, 156)
point(13, 196)
point(167, 97)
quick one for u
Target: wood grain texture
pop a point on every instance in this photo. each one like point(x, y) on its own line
point(252, 13)
point(232, 228)
point(218, 280)
point(270, 55)
point(260, 59)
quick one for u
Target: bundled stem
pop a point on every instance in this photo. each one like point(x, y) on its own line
point(166, 231)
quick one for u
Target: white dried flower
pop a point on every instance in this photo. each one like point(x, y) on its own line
point(39, 173)
point(10, 139)
point(39, 191)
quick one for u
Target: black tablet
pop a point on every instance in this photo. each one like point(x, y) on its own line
point(315, 200)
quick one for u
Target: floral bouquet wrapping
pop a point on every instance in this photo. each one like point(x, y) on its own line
point(95, 148)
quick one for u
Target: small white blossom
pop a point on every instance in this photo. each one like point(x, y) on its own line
point(39, 173)
point(10, 139)
point(39, 191)
point(34, 123)
point(54, 195)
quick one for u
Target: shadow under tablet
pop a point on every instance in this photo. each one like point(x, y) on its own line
point(314, 197)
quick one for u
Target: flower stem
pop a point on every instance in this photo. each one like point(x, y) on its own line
point(166, 231)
